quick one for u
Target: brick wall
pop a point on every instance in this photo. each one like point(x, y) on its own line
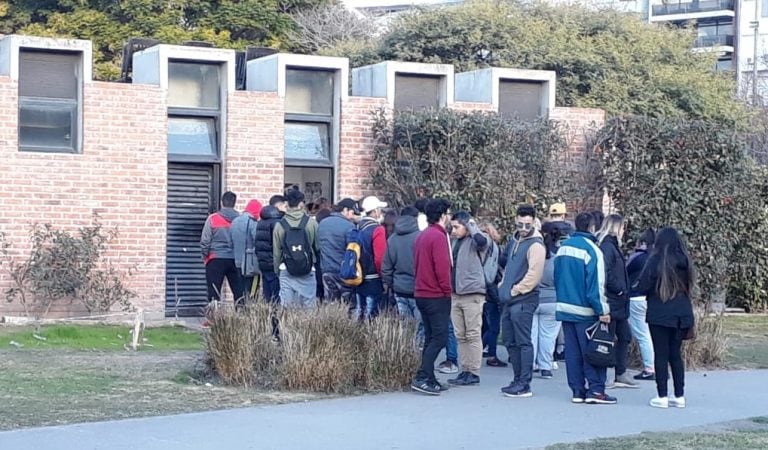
point(356, 146)
point(255, 133)
point(120, 175)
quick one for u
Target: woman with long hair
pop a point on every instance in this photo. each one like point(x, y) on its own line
point(667, 281)
point(491, 308)
point(617, 291)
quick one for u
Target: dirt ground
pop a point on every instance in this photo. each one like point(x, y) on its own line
point(55, 387)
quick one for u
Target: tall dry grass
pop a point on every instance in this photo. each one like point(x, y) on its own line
point(240, 344)
point(392, 352)
point(320, 350)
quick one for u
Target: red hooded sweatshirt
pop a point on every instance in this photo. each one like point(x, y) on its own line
point(432, 263)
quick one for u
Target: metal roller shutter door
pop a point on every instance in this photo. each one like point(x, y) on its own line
point(191, 197)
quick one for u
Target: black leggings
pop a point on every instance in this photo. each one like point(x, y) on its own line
point(667, 343)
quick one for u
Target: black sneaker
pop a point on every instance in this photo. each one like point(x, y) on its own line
point(425, 387)
point(645, 376)
point(495, 362)
point(519, 391)
point(459, 380)
point(470, 379)
point(441, 386)
point(600, 399)
point(546, 374)
point(559, 356)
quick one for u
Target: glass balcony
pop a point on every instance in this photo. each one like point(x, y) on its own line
point(714, 41)
point(693, 7)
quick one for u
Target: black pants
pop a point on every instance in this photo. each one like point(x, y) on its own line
point(492, 325)
point(516, 324)
point(620, 328)
point(435, 315)
point(667, 343)
point(270, 284)
point(215, 272)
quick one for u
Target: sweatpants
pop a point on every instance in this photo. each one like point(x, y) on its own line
point(467, 318)
point(215, 272)
point(435, 315)
point(516, 324)
point(298, 292)
point(667, 344)
point(579, 371)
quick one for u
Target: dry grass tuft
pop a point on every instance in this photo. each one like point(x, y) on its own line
point(240, 344)
point(320, 350)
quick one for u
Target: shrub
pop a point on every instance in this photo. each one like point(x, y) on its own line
point(66, 267)
point(481, 162)
point(682, 173)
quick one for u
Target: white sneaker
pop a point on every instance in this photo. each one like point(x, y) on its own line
point(448, 367)
point(677, 402)
point(555, 366)
point(660, 402)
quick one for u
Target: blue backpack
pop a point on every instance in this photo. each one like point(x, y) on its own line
point(351, 272)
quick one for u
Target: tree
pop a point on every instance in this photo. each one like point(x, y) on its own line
point(603, 59)
point(330, 25)
point(109, 24)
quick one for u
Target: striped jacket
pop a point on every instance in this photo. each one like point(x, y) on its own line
point(580, 280)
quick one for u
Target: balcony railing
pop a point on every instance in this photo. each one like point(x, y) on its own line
point(693, 7)
point(714, 41)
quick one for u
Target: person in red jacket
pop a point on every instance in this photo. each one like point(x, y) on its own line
point(432, 271)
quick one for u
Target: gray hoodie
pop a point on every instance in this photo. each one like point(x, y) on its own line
point(397, 268)
point(468, 255)
point(216, 240)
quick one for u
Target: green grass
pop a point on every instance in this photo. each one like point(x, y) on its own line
point(737, 438)
point(748, 341)
point(99, 337)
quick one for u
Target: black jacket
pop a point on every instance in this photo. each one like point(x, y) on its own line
point(270, 216)
point(616, 279)
point(675, 313)
point(635, 266)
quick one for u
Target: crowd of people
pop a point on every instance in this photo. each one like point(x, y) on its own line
point(546, 290)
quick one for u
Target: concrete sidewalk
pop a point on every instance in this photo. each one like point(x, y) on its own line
point(462, 418)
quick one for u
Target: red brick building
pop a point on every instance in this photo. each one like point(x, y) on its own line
point(152, 156)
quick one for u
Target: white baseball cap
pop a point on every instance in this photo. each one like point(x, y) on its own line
point(371, 203)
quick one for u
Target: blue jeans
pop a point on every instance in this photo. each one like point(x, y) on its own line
point(492, 315)
point(367, 306)
point(640, 331)
point(406, 307)
point(452, 347)
point(578, 369)
point(544, 334)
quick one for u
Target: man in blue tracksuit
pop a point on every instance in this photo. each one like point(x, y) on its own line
point(581, 301)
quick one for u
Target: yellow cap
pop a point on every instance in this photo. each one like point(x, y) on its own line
point(558, 208)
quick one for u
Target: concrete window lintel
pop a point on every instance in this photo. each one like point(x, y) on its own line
point(482, 86)
point(150, 66)
point(267, 74)
point(378, 80)
point(11, 45)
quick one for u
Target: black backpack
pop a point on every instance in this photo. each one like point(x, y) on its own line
point(297, 250)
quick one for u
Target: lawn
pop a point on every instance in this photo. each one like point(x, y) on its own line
point(84, 374)
point(742, 435)
point(748, 341)
point(99, 337)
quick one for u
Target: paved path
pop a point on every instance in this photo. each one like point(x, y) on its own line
point(463, 418)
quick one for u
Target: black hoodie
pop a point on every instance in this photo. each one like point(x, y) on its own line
point(270, 216)
point(397, 269)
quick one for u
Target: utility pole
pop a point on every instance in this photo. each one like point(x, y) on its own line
point(755, 24)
